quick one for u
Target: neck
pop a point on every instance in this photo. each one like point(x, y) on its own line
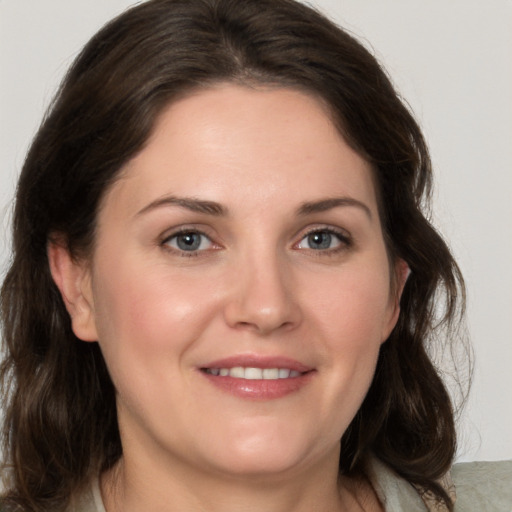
point(150, 477)
point(131, 487)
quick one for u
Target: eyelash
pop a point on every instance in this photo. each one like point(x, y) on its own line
point(181, 232)
point(345, 241)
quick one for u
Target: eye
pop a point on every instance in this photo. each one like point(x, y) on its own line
point(323, 240)
point(189, 241)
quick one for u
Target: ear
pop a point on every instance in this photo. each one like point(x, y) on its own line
point(401, 274)
point(73, 280)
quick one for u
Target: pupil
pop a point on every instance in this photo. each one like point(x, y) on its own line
point(189, 241)
point(320, 240)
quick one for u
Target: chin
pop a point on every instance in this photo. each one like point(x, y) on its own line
point(264, 451)
point(261, 464)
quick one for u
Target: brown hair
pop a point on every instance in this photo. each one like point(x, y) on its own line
point(60, 421)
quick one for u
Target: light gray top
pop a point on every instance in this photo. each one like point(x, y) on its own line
point(479, 486)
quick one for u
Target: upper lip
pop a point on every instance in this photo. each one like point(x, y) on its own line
point(256, 361)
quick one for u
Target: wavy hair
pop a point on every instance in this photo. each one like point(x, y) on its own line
point(60, 427)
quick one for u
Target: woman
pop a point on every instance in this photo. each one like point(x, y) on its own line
point(223, 283)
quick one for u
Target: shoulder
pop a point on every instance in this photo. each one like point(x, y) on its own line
point(395, 493)
point(483, 486)
point(478, 486)
point(89, 500)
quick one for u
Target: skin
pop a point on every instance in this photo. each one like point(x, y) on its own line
point(257, 285)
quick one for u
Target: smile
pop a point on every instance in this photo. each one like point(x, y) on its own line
point(250, 373)
point(255, 377)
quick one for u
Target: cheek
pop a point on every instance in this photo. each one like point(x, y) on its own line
point(148, 315)
point(350, 318)
point(354, 307)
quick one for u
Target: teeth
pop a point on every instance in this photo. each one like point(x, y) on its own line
point(270, 373)
point(253, 373)
point(240, 372)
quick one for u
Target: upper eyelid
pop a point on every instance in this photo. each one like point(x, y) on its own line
point(345, 239)
point(185, 232)
point(343, 233)
point(203, 230)
point(172, 232)
point(165, 243)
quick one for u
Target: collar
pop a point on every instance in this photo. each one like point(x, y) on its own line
point(398, 495)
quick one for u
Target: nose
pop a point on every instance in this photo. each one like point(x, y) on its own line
point(262, 298)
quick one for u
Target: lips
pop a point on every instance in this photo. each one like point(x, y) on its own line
point(258, 378)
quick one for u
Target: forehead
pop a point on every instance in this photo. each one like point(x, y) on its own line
point(233, 142)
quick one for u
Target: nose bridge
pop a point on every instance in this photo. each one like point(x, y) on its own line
point(262, 297)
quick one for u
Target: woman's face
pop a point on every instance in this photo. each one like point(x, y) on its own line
point(240, 286)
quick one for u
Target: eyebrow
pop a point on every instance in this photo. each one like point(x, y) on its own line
point(333, 202)
point(189, 203)
point(217, 210)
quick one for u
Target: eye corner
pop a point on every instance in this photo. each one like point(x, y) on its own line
point(187, 242)
point(324, 240)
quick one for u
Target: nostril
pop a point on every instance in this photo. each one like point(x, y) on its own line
point(262, 302)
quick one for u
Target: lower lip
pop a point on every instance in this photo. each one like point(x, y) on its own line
point(260, 389)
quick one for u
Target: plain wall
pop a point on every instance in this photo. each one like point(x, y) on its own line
point(451, 60)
